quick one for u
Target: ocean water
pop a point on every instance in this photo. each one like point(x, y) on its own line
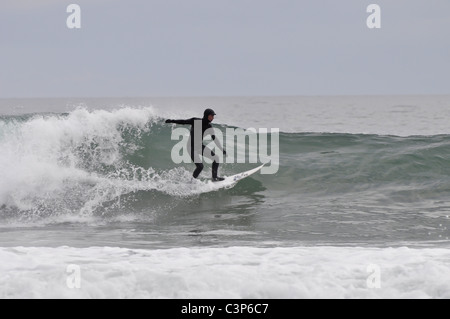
point(361, 196)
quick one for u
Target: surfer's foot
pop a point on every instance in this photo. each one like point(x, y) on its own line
point(218, 179)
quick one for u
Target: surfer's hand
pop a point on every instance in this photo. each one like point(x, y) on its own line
point(169, 121)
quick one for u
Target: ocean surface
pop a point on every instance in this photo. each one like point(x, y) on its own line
point(358, 208)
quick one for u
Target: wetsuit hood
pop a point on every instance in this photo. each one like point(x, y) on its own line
point(207, 113)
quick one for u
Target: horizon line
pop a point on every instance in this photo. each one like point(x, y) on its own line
point(226, 96)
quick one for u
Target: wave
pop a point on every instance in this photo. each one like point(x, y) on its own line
point(100, 162)
point(371, 159)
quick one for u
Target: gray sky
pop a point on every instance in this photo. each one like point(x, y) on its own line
point(223, 48)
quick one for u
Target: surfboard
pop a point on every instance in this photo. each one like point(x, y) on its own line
point(231, 181)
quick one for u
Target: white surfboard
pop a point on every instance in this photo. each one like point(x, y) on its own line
point(231, 181)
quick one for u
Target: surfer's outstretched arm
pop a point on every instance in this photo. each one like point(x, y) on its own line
point(182, 122)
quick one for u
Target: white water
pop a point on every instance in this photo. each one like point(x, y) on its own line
point(39, 156)
point(315, 272)
point(43, 161)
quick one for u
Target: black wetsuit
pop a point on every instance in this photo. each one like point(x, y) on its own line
point(196, 150)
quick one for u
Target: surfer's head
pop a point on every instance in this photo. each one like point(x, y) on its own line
point(209, 114)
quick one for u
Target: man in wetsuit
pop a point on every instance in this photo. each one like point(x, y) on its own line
point(196, 148)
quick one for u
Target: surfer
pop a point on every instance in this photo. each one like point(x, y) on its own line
point(194, 146)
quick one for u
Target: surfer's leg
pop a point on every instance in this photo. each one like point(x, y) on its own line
point(198, 170)
point(215, 165)
point(215, 169)
point(195, 156)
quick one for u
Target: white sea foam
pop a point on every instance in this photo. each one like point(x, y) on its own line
point(239, 272)
point(38, 156)
point(54, 162)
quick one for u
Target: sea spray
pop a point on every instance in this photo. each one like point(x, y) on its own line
point(51, 156)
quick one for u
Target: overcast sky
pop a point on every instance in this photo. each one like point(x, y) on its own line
point(129, 48)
